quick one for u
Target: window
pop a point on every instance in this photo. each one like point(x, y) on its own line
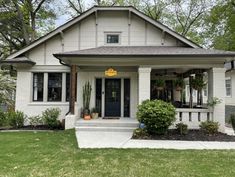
point(205, 90)
point(126, 97)
point(54, 86)
point(68, 87)
point(98, 97)
point(228, 87)
point(38, 79)
point(112, 39)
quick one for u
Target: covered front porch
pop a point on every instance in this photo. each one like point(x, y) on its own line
point(119, 95)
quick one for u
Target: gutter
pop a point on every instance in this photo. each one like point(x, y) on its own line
point(62, 63)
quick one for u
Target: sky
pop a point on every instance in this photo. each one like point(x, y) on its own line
point(63, 18)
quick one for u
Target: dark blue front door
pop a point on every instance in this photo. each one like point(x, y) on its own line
point(112, 97)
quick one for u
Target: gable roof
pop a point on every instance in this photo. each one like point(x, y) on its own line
point(101, 8)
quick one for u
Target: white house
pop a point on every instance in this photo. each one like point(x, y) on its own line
point(122, 41)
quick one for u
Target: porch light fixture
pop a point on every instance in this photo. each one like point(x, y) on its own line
point(110, 72)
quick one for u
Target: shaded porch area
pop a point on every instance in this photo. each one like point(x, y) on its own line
point(150, 64)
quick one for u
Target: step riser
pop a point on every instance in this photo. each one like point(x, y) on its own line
point(103, 130)
point(107, 125)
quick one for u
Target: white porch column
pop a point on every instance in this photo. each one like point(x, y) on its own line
point(144, 83)
point(216, 88)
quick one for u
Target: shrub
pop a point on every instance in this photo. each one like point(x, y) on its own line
point(157, 116)
point(50, 117)
point(182, 128)
point(232, 120)
point(2, 118)
point(16, 119)
point(35, 120)
point(209, 127)
point(140, 133)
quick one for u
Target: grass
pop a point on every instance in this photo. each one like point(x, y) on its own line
point(56, 154)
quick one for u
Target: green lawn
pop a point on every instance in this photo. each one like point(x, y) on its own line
point(56, 154)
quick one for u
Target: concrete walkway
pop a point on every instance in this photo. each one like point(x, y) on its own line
point(99, 139)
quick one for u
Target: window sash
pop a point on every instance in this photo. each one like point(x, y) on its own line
point(38, 86)
point(54, 91)
point(228, 87)
point(112, 38)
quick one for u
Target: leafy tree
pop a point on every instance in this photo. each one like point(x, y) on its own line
point(7, 88)
point(220, 26)
point(29, 19)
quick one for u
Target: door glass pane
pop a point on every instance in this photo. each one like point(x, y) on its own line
point(98, 100)
point(126, 97)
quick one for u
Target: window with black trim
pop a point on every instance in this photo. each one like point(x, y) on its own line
point(38, 79)
point(54, 86)
point(228, 86)
point(126, 97)
point(112, 38)
point(98, 97)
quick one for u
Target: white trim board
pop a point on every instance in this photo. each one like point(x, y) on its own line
point(93, 10)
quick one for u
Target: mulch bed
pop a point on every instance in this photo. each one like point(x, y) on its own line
point(193, 135)
point(38, 127)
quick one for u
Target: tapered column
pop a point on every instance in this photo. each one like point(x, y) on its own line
point(144, 83)
point(72, 88)
point(216, 88)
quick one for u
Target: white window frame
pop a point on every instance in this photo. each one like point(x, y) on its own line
point(112, 33)
point(228, 78)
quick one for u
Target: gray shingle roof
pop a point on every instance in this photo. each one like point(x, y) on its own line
point(23, 60)
point(145, 51)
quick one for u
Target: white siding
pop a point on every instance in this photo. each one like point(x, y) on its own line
point(231, 100)
point(83, 35)
point(84, 76)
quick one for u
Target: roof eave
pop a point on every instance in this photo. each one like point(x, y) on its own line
point(143, 55)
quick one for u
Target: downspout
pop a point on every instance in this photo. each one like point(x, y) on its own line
point(62, 63)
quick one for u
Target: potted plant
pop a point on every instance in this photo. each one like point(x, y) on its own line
point(94, 113)
point(197, 83)
point(211, 103)
point(86, 100)
point(179, 84)
point(160, 84)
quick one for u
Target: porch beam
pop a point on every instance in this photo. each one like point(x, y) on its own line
point(73, 78)
point(193, 71)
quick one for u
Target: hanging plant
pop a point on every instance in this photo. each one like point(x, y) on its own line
point(160, 84)
point(198, 83)
point(179, 84)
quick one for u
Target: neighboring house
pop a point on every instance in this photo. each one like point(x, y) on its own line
point(119, 50)
point(230, 91)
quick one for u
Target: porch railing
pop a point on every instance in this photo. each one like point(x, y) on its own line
point(192, 117)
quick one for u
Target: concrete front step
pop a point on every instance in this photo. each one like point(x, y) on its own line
point(107, 125)
point(105, 129)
